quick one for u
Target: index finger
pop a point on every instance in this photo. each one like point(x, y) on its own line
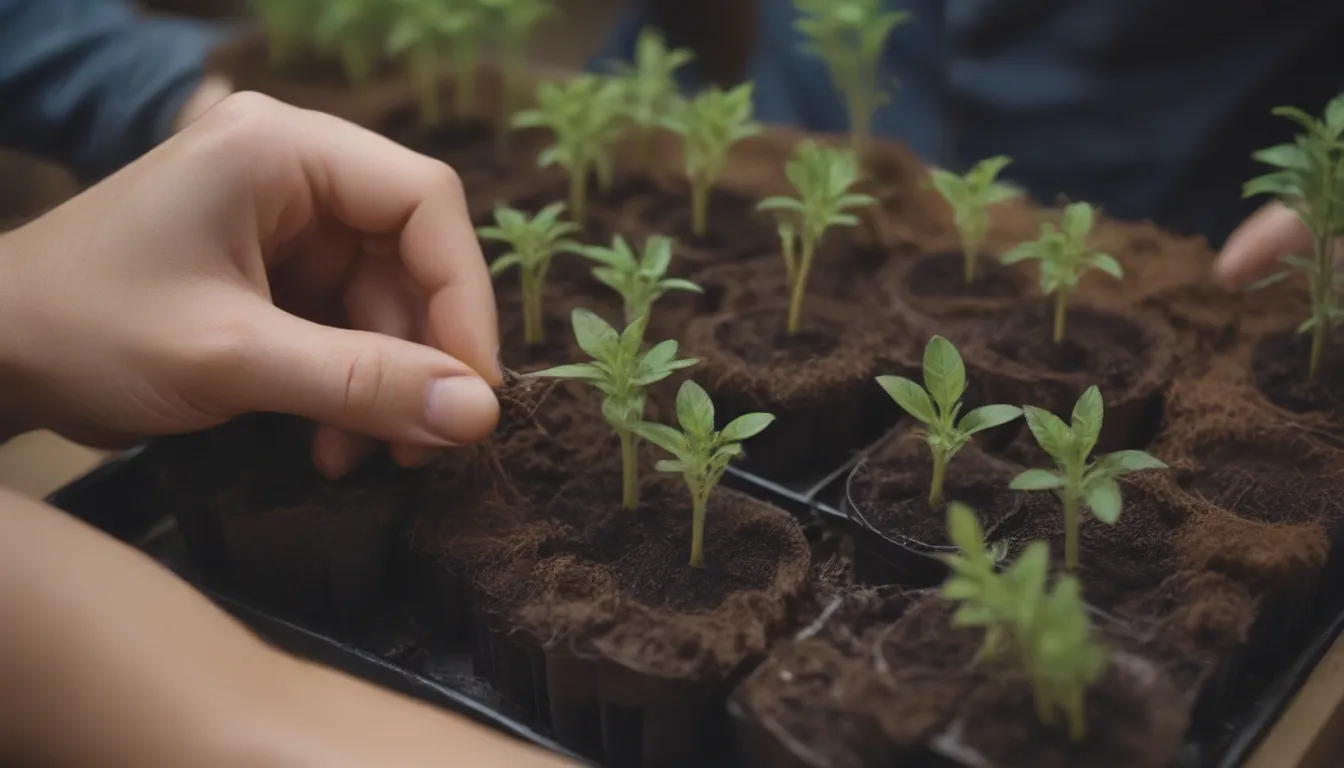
point(380, 188)
point(1253, 250)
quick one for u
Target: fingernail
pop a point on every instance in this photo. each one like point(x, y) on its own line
point(461, 409)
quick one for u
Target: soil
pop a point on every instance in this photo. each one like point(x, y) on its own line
point(890, 492)
point(1099, 347)
point(936, 281)
point(1280, 479)
point(1280, 365)
point(734, 229)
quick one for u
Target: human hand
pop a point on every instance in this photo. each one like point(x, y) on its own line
point(212, 90)
point(203, 281)
point(1254, 249)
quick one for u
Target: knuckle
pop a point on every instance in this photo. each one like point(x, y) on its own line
point(445, 178)
point(217, 354)
point(366, 382)
point(245, 118)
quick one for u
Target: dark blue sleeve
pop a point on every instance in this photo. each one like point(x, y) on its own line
point(90, 83)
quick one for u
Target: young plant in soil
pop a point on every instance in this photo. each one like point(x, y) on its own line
point(702, 454)
point(424, 31)
point(937, 405)
point(970, 197)
point(535, 242)
point(585, 116)
point(287, 24)
point(356, 30)
point(640, 280)
point(823, 176)
point(709, 125)
point(1046, 631)
point(514, 21)
point(621, 373)
point(1309, 179)
point(1065, 257)
point(849, 36)
point(650, 87)
point(1078, 481)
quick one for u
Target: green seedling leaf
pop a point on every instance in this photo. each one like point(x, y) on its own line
point(640, 281)
point(1037, 480)
point(702, 453)
point(535, 242)
point(650, 86)
point(1051, 433)
point(1086, 425)
point(971, 198)
point(1102, 496)
point(937, 409)
point(709, 126)
point(1308, 178)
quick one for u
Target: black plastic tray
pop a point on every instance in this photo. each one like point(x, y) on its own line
point(115, 498)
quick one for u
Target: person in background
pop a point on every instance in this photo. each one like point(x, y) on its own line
point(94, 84)
point(1148, 108)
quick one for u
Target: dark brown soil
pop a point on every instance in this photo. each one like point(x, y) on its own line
point(1285, 478)
point(1100, 347)
point(734, 229)
point(1116, 563)
point(1280, 365)
point(889, 491)
point(1134, 720)
point(932, 281)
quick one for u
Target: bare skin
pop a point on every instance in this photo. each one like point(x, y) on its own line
point(1254, 248)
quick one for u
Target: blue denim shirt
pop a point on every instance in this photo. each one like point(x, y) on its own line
point(90, 83)
point(1149, 108)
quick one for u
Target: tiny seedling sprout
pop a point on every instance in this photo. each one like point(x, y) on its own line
point(585, 116)
point(1065, 257)
point(849, 36)
point(422, 30)
point(971, 197)
point(650, 86)
point(515, 22)
point(640, 281)
point(1077, 481)
point(701, 453)
point(621, 373)
point(937, 405)
point(1309, 179)
point(533, 242)
point(356, 30)
point(287, 24)
point(1046, 631)
point(823, 176)
point(710, 124)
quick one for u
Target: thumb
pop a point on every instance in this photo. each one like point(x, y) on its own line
point(1253, 250)
point(363, 382)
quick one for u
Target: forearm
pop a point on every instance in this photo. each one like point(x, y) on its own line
point(91, 84)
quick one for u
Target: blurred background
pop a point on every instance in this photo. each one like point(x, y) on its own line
point(39, 462)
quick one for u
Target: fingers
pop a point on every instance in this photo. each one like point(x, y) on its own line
point(1254, 248)
point(358, 381)
point(377, 187)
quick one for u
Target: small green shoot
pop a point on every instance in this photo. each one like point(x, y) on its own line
point(621, 373)
point(640, 281)
point(585, 116)
point(710, 124)
point(423, 31)
point(514, 22)
point(702, 454)
point(1047, 631)
point(650, 86)
point(849, 36)
point(287, 24)
point(534, 242)
point(971, 197)
point(356, 30)
point(1065, 257)
point(823, 176)
point(1309, 179)
point(937, 405)
point(1077, 481)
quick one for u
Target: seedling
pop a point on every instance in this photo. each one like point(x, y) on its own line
point(515, 21)
point(971, 197)
point(534, 242)
point(1065, 257)
point(640, 281)
point(650, 86)
point(1309, 179)
point(702, 454)
point(356, 30)
point(822, 175)
point(585, 116)
point(710, 124)
point(849, 36)
point(1047, 631)
point(286, 23)
point(938, 403)
point(423, 30)
point(1077, 481)
point(621, 373)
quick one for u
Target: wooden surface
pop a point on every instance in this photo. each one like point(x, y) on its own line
point(1310, 733)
